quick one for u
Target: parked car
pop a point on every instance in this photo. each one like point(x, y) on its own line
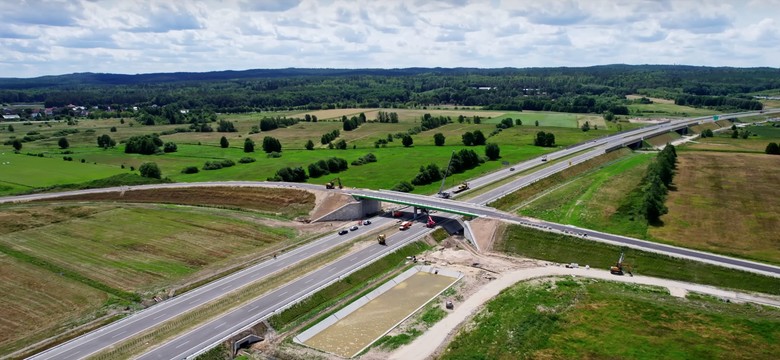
point(344, 231)
point(353, 228)
point(366, 222)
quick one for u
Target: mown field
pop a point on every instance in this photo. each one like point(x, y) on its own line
point(586, 319)
point(725, 202)
point(593, 200)
point(194, 149)
point(66, 263)
point(665, 109)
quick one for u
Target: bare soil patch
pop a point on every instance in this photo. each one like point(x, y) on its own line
point(727, 203)
point(285, 202)
point(485, 232)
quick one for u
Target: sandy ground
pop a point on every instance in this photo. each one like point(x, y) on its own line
point(326, 202)
point(484, 231)
point(433, 341)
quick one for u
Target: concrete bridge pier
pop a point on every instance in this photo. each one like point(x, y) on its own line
point(356, 210)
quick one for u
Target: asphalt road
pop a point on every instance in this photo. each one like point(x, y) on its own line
point(261, 307)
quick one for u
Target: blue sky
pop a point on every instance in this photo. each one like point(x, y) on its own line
point(42, 37)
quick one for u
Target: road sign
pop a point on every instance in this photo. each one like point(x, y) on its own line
point(715, 117)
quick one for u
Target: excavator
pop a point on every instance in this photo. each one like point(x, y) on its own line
point(430, 222)
point(620, 267)
point(332, 184)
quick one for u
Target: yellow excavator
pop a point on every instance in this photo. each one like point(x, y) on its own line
point(620, 267)
point(332, 184)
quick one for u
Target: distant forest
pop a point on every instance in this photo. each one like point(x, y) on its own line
point(595, 89)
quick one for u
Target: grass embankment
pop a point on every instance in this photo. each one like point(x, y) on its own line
point(603, 320)
point(596, 198)
point(512, 201)
point(727, 203)
point(561, 248)
point(323, 299)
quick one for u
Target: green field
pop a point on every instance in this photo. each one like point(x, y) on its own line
point(546, 118)
point(587, 319)
point(667, 110)
point(593, 200)
point(194, 149)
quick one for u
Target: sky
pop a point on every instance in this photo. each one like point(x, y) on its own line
point(52, 37)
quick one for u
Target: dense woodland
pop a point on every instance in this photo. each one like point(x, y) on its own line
point(581, 90)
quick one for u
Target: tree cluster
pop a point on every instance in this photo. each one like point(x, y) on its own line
point(473, 138)
point(463, 160)
point(150, 170)
point(170, 147)
point(707, 133)
point(656, 184)
point(271, 144)
point(387, 117)
point(290, 174)
point(271, 123)
point(719, 102)
point(507, 123)
point(353, 122)
point(327, 166)
point(226, 126)
point(216, 165)
point(105, 141)
point(365, 159)
point(431, 122)
point(327, 138)
point(403, 186)
point(544, 139)
point(428, 174)
point(772, 149)
point(142, 144)
point(438, 139)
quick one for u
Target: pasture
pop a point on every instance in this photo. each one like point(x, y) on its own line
point(726, 203)
point(581, 318)
point(195, 148)
point(664, 110)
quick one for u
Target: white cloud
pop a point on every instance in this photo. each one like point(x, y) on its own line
point(42, 37)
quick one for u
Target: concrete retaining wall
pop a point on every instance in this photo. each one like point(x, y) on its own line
point(353, 211)
point(330, 320)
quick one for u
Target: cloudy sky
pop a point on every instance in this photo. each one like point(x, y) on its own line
point(49, 37)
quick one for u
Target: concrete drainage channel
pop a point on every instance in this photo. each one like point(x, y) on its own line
point(358, 325)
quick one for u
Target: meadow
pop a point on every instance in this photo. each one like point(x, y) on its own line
point(581, 318)
point(194, 149)
point(667, 110)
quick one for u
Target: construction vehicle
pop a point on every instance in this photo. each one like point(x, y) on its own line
point(430, 222)
point(398, 213)
point(443, 194)
point(332, 184)
point(462, 187)
point(405, 225)
point(381, 239)
point(620, 267)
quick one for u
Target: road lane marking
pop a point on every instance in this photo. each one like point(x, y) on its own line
point(158, 316)
point(308, 281)
point(72, 355)
point(182, 344)
point(120, 334)
point(282, 294)
point(219, 326)
point(254, 307)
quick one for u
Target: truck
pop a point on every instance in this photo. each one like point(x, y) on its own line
point(332, 184)
point(462, 187)
point(381, 239)
point(405, 225)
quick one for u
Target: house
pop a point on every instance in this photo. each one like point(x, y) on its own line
point(49, 111)
point(10, 117)
point(35, 115)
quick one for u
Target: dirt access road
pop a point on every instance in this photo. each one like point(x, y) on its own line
point(433, 341)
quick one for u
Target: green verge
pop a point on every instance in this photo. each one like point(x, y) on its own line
point(315, 304)
point(561, 248)
point(580, 318)
point(111, 181)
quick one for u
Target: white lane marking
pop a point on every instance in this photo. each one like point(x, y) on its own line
point(158, 316)
point(182, 344)
point(117, 335)
point(219, 326)
point(308, 281)
point(254, 307)
point(282, 294)
point(72, 355)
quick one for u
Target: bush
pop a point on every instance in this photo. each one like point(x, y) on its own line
point(142, 144)
point(150, 170)
point(63, 143)
point(170, 147)
point(113, 129)
point(492, 151)
point(271, 144)
point(190, 170)
point(223, 143)
point(438, 139)
point(216, 165)
point(274, 155)
point(226, 126)
point(773, 149)
point(407, 141)
point(428, 175)
point(365, 159)
point(403, 186)
point(246, 160)
point(290, 174)
point(341, 144)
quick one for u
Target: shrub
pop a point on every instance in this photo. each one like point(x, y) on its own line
point(246, 160)
point(150, 170)
point(190, 170)
point(113, 129)
point(223, 142)
point(216, 165)
point(226, 126)
point(403, 186)
point(290, 174)
point(170, 147)
point(63, 143)
point(271, 144)
point(249, 145)
point(274, 155)
point(492, 151)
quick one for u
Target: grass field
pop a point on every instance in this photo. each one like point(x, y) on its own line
point(194, 149)
point(727, 203)
point(657, 110)
point(593, 200)
point(724, 143)
point(579, 318)
point(561, 248)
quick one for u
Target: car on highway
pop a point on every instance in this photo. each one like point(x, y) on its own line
point(353, 228)
point(343, 231)
point(366, 222)
point(511, 169)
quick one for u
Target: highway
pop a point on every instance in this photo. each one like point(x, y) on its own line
point(209, 333)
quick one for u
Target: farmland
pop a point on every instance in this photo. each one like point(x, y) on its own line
point(578, 318)
point(74, 261)
point(713, 210)
point(195, 148)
